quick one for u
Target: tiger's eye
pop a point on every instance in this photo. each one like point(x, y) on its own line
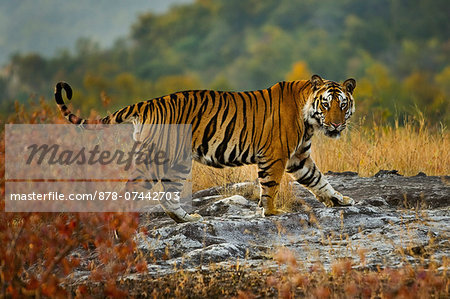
point(325, 105)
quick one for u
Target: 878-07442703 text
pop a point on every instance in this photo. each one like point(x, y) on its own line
point(97, 195)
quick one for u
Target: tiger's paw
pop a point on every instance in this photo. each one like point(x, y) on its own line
point(338, 200)
point(185, 218)
point(260, 212)
point(193, 217)
point(347, 201)
point(273, 212)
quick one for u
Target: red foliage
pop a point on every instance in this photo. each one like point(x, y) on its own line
point(38, 250)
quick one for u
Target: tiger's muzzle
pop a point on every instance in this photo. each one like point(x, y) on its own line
point(333, 130)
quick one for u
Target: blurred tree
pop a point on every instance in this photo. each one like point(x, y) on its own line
point(125, 82)
point(365, 34)
point(32, 70)
point(300, 71)
point(426, 95)
point(221, 83)
point(170, 84)
point(443, 80)
point(95, 83)
point(441, 101)
point(378, 94)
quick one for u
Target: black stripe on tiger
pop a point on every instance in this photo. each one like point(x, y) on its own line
point(297, 167)
point(269, 184)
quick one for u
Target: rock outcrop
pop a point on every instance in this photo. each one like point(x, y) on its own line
point(396, 219)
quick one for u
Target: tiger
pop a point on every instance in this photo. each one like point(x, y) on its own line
point(271, 128)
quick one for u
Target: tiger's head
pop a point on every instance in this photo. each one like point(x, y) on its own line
point(330, 105)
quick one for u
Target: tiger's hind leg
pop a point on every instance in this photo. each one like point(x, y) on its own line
point(270, 173)
point(173, 183)
point(171, 203)
point(305, 172)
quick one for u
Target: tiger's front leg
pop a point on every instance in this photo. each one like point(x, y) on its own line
point(305, 171)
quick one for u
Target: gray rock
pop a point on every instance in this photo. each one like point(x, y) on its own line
point(396, 219)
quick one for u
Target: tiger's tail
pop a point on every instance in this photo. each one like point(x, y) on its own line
point(118, 117)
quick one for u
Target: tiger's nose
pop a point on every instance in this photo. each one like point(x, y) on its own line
point(336, 124)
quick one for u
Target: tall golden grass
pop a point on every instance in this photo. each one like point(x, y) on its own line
point(410, 149)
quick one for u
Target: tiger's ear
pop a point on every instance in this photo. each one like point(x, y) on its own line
point(316, 81)
point(349, 85)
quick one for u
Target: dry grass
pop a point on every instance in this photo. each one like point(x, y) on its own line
point(204, 177)
point(345, 281)
point(409, 149)
point(290, 281)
